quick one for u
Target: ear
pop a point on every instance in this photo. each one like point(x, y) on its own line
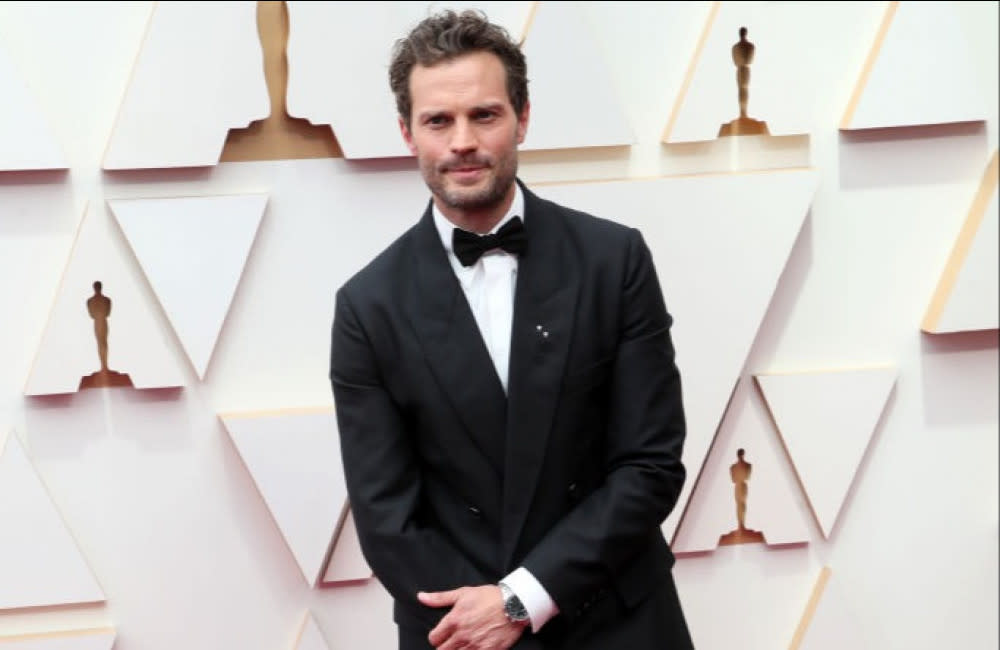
point(522, 122)
point(407, 136)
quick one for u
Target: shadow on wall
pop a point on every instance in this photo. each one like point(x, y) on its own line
point(912, 155)
point(960, 383)
point(33, 177)
point(67, 425)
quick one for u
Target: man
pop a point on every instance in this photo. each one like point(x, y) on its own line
point(510, 417)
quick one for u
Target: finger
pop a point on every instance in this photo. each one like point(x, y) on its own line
point(455, 642)
point(442, 632)
point(438, 598)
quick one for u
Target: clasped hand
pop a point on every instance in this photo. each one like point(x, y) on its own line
point(476, 620)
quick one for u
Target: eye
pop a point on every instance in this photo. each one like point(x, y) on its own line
point(436, 121)
point(483, 115)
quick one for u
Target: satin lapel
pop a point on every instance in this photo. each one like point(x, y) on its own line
point(454, 346)
point(544, 312)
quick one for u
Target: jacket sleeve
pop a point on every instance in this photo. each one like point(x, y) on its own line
point(595, 542)
point(406, 553)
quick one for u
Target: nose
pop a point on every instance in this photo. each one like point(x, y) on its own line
point(463, 138)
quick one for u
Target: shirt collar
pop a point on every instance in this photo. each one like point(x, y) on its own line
point(445, 227)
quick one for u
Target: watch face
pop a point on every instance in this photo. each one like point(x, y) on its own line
point(515, 609)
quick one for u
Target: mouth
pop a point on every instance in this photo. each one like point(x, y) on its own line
point(466, 172)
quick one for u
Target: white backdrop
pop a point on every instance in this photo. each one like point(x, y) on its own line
point(172, 525)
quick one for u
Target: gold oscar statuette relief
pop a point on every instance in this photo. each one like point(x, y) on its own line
point(739, 472)
point(99, 308)
point(743, 52)
point(278, 136)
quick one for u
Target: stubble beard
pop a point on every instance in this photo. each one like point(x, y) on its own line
point(502, 172)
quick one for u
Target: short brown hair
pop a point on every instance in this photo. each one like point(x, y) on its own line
point(448, 35)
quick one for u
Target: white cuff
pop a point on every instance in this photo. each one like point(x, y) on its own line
point(541, 608)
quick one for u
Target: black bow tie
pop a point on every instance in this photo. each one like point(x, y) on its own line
point(469, 246)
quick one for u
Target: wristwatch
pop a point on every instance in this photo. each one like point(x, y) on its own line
point(512, 605)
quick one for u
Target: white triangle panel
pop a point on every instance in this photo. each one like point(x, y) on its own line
point(922, 72)
point(294, 458)
point(717, 279)
point(27, 141)
point(347, 562)
point(973, 304)
point(199, 73)
point(137, 338)
point(310, 637)
point(572, 105)
point(98, 639)
point(192, 250)
point(826, 420)
point(40, 563)
point(772, 501)
point(338, 57)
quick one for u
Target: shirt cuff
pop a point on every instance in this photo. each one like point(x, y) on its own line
point(541, 608)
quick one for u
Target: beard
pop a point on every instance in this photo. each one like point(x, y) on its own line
point(501, 173)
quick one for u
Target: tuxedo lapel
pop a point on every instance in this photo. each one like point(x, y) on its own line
point(454, 347)
point(544, 312)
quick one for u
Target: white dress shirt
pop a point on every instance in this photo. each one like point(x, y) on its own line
point(489, 287)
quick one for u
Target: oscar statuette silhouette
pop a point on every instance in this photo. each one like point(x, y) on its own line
point(739, 472)
point(743, 52)
point(99, 308)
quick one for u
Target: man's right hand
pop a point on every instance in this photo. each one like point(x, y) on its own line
point(476, 621)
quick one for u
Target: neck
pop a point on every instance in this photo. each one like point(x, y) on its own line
point(479, 220)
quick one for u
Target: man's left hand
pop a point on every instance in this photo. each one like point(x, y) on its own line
point(475, 622)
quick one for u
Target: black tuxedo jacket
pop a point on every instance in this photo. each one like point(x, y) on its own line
point(570, 474)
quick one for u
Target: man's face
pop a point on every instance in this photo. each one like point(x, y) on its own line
point(464, 132)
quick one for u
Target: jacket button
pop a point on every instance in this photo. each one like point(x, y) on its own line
point(475, 512)
point(572, 490)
